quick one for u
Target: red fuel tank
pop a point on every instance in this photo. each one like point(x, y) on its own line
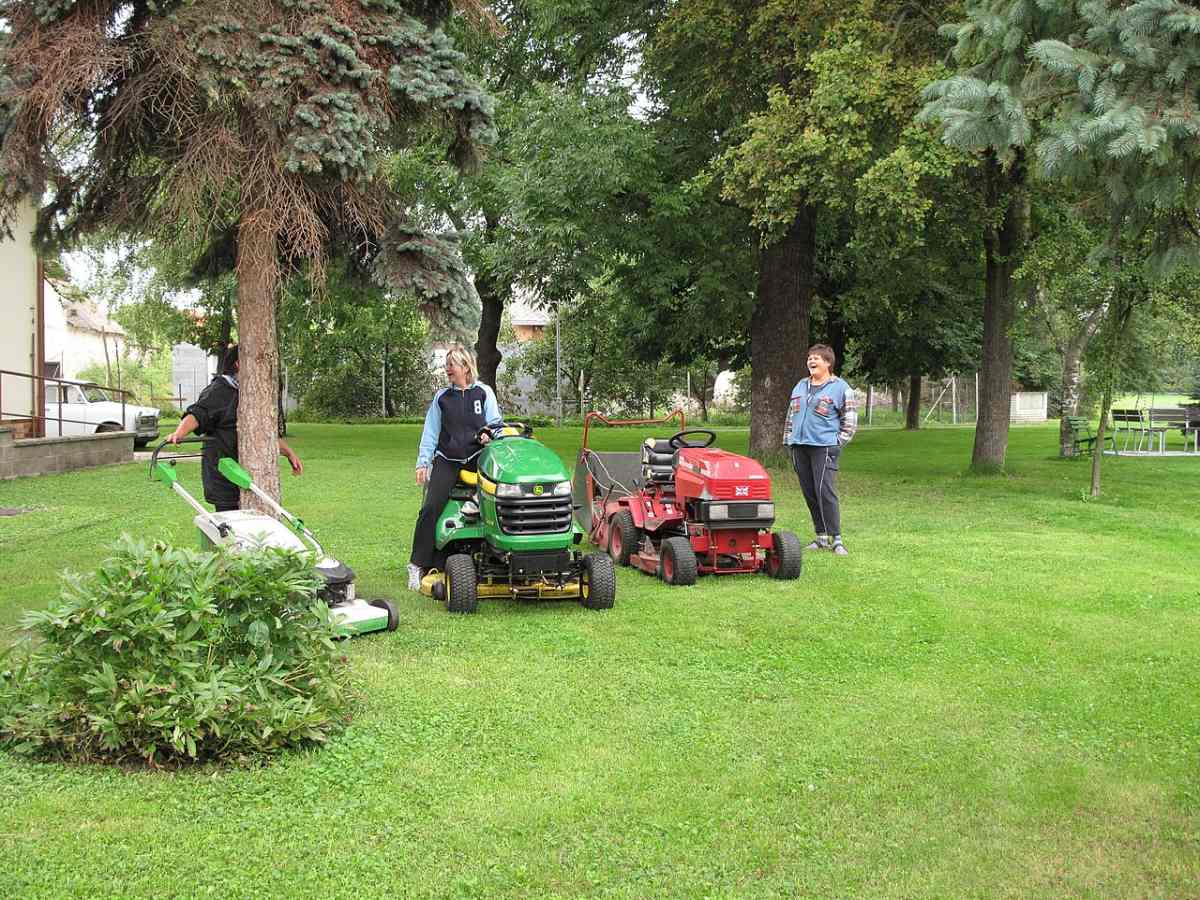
point(710, 474)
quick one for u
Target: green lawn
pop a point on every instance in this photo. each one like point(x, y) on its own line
point(996, 694)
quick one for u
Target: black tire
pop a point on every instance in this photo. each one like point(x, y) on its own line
point(393, 616)
point(598, 582)
point(461, 594)
point(786, 557)
point(623, 537)
point(108, 428)
point(677, 564)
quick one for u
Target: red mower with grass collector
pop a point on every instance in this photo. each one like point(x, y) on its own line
point(680, 508)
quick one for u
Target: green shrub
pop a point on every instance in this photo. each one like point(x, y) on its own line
point(168, 655)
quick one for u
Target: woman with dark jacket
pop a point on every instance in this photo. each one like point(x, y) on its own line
point(452, 440)
point(214, 414)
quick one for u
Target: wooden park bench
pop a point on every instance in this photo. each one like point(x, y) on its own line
point(1164, 419)
point(1083, 439)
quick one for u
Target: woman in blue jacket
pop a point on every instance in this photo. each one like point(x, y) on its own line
point(822, 418)
point(452, 440)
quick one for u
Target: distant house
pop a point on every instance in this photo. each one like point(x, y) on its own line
point(528, 322)
point(78, 333)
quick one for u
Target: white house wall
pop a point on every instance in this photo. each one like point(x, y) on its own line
point(18, 315)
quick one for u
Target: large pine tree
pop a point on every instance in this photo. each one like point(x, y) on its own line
point(255, 130)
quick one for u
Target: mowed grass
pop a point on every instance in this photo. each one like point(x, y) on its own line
point(997, 694)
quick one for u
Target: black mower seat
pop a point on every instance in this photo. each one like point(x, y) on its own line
point(658, 461)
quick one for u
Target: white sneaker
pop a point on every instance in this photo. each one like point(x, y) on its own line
point(414, 577)
point(470, 509)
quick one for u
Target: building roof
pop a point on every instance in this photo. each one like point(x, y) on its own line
point(522, 312)
point(81, 312)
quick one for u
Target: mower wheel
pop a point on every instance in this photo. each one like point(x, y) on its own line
point(677, 564)
point(461, 595)
point(622, 537)
point(597, 582)
point(785, 559)
point(393, 616)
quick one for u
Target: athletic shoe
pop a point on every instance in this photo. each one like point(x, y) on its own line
point(414, 577)
point(817, 545)
point(470, 509)
point(839, 549)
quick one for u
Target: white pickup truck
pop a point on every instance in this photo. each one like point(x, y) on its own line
point(90, 409)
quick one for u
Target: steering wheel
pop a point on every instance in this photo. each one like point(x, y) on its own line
point(507, 430)
point(678, 441)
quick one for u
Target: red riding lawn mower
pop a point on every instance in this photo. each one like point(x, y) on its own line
point(681, 508)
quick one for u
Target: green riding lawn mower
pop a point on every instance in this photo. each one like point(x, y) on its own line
point(508, 530)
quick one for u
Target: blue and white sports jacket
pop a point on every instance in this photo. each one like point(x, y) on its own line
point(453, 420)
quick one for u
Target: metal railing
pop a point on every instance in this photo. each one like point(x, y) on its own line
point(39, 418)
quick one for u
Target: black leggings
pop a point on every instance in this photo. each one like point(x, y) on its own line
point(817, 467)
point(442, 477)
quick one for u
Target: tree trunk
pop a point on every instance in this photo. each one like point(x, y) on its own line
point(258, 356)
point(487, 353)
point(1071, 377)
point(1121, 312)
point(836, 326)
point(779, 330)
point(1101, 430)
point(895, 389)
point(1003, 243)
point(912, 411)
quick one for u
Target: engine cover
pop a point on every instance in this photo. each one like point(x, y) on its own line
point(711, 474)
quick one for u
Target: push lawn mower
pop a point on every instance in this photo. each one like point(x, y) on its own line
point(507, 531)
point(242, 528)
point(681, 508)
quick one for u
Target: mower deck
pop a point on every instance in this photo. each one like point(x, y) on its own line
point(491, 588)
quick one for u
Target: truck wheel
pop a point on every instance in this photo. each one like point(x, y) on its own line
point(461, 596)
point(597, 582)
point(393, 616)
point(784, 560)
point(107, 428)
point(678, 562)
point(622, 537)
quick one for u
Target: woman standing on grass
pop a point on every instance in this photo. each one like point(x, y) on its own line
point(822, 418)
point(452, 440)
point(214, 415)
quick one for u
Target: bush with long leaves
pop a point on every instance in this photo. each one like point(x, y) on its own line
point(169, 655)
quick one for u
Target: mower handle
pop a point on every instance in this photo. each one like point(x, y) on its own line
point(599, 417)
point(191, 439)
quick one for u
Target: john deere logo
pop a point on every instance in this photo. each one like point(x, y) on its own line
point(537, 490)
